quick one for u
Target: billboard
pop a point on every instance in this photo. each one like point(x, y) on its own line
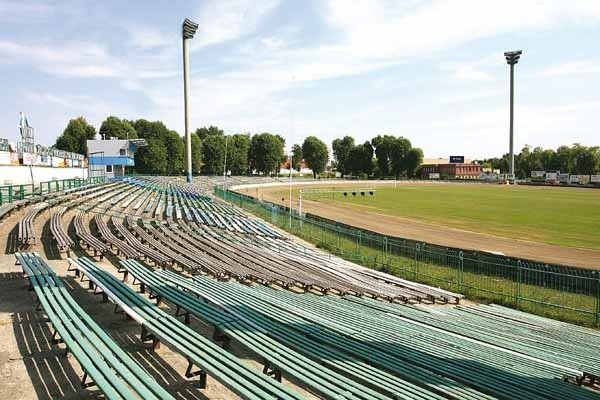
point(564, 178)
point(538, 174)
point(457, 159)
point(595, 178)
point(574, 179)
point(551, 176)
point(434, 175)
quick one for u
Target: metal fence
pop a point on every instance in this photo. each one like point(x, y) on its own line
point(10, 193)
point(562, 292)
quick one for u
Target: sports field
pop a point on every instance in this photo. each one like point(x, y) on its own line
point(472, 216)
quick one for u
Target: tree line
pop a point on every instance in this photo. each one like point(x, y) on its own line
point(576, 159)
point(384, 155)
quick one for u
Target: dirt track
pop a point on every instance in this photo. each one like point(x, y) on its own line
point(441, 235)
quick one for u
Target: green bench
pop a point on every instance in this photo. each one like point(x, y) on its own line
point(277, 356)
point(158, 326)
point(104, 363)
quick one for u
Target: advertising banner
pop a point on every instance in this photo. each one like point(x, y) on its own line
point(538, 174)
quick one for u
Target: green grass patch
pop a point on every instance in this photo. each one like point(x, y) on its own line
point(562, 216)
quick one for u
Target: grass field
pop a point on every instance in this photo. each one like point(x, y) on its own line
point(562, 216)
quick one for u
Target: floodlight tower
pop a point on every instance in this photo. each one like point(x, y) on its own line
point(512, 57)
point(188, 30)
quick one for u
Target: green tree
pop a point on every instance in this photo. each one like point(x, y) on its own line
point(414, 158)
point(315, 154)
point(564, 159)
point(391, 152)
point(75, 136)
point(586, 159)
point(549, 160)
point(168, 159)
point(360, 159)
point(266, 152)
point(174, 145)
point(204, 132)
point(297, 157)
point(399, 148)
point(237, 154)
point(114, 127)
point(196, 153)
point(383, 153)
point(151, 159)
point(341, 151)
point(213, 154)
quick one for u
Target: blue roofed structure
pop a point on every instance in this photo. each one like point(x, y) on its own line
point(110, 157)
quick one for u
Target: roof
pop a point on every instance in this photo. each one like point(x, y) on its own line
point(437, 161)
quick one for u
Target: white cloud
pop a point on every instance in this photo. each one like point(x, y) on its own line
point(145, 37)
point(223, 20)
point(572, 68)
point(70, 59)
point(469, 97)
point(20, 10)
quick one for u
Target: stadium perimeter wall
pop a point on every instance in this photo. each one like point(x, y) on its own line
point(557, 291)
point(21, 174)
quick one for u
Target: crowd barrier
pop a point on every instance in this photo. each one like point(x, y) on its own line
point(10, 193)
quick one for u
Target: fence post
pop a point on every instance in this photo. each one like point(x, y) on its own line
point(461, 258)
point(417, 250)
point(597, 319)
point(519, 272)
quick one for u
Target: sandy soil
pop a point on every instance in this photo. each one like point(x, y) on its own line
point(32, 368)
point(437, 234)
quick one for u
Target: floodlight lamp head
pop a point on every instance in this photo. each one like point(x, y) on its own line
point(512, 57)
point(188, 29)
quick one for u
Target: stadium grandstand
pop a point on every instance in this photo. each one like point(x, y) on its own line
point(221, 304)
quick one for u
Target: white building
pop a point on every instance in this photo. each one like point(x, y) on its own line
point(110, 157)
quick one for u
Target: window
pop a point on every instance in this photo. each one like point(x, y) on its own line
point(122, 152)
point(109, 169)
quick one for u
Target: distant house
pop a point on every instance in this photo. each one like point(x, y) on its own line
point(110, 157)
point(284, 168)
point(443, 169)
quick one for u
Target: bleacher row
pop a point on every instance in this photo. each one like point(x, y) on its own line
point(335, 347)
point(346, 346)
point(251, 251)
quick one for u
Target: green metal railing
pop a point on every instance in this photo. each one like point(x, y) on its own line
point(562, 292)
point(11, 193)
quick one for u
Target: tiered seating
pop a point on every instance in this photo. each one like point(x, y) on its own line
point(63, 241)
point(277, 357)
point(26, 231)
point(132, 241)
point(6, 209)
point(108, 367)
point(201, 352)
point(83, 233)
point(113, 242)
point(396, 380)
point(396, 344)
point(188, 258)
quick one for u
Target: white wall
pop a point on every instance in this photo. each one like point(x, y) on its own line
point(20, 174)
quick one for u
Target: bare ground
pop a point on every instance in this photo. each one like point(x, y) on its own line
point(437, 234)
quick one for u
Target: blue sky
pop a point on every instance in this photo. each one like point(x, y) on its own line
point(432, 71)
